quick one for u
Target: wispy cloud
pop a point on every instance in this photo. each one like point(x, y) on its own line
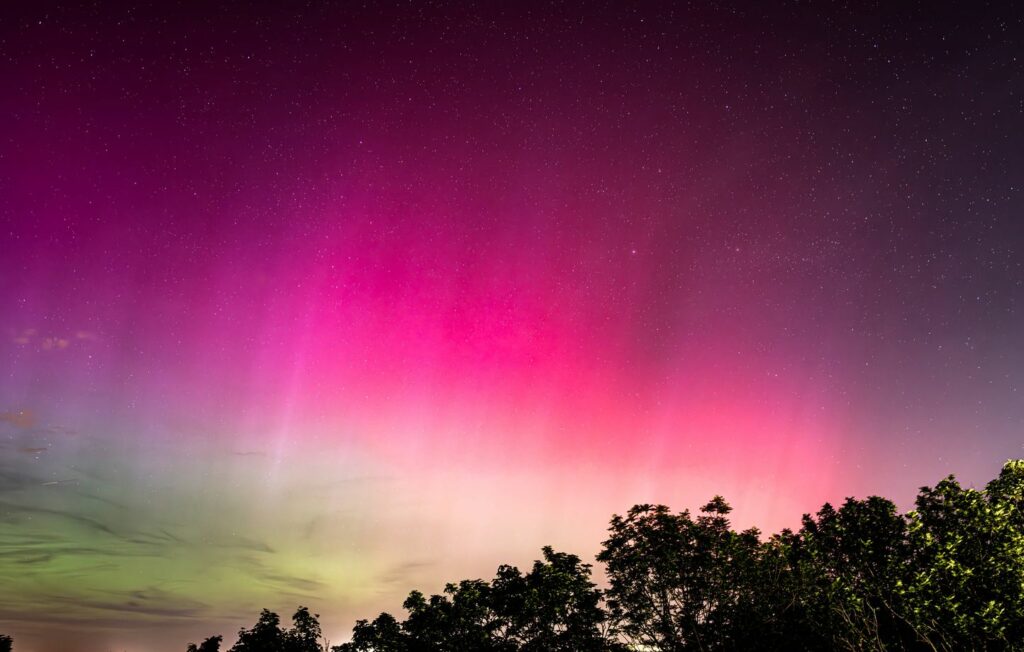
point(11, 513)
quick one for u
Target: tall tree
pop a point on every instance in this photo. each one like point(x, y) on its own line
point(265, 636)
point(305, 634)
point(852, 562)
point(679, 583)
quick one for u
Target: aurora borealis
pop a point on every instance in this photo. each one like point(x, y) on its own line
point(320, 303)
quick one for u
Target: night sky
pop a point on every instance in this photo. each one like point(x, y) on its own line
point(318, 304)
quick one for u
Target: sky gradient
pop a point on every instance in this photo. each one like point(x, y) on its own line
point(316, 305)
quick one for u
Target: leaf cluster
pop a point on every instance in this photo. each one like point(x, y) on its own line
point(948, 576)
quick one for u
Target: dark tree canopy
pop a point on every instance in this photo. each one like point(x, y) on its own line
point(305, 634)
point(265, 636)
point(554, 607)
point(212, 644)
point(947, 576)
point(268, 636)
point(677, 582)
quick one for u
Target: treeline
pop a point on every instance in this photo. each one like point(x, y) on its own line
point(948, 576)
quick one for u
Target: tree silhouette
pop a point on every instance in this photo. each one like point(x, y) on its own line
point(947, 576)
point(554, 607)
point(852, 563)
point(265, 636)
point(384, 634)
point(305, 634)
point(6, 643)
point(460, 619)
point(679, 583)
point(211, 644)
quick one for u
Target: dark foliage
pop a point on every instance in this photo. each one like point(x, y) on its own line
point(211, 644)
point(553, 607)
point(947, 576)
point(268, 636)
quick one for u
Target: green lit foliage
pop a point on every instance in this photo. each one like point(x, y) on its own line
point(947, 576)
point(965, 586)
